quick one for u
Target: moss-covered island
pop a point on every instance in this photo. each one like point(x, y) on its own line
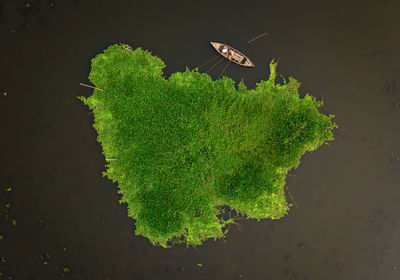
point(182, 147)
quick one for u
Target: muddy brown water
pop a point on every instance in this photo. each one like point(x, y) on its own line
point(347, 53)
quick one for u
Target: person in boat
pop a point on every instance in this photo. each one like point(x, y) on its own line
point(228, 53)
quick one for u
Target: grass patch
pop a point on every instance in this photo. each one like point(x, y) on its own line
point(181, 147)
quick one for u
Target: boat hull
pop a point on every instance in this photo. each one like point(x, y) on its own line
point(232, 54)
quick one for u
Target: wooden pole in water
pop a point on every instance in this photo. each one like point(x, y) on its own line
point(224, 69)
point(258, 37)
point(205, 63)
point(292, 198)
point(215, 64)
point(125, 48)
point(90, 86)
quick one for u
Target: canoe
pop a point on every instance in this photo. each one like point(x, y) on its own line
point(232, 54)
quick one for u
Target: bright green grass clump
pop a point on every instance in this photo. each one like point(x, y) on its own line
point(181, 147)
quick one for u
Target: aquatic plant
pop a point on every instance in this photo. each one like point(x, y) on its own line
point(181, 147)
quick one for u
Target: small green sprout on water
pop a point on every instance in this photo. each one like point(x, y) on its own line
point(186, 145)
point(200, 264)
point(1, 237)
point(45, 257)
point(8, 189)
point(14, 222)
point(5, 93)
point(39, 224)
point(64, 269)
point(8, 205)
point(3, 259)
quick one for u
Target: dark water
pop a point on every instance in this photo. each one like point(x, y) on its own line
point(347, 225)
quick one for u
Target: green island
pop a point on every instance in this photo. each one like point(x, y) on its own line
point(183, 149)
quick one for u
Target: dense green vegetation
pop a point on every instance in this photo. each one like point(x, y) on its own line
point(181, 147)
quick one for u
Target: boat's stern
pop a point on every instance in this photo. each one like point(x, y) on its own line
point(248, 63)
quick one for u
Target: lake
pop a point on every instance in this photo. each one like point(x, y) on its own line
point(68, 222)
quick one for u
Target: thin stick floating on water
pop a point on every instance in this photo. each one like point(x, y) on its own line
point(110, 159)
point(258, 37)
point(90, 86)
point(292, 198)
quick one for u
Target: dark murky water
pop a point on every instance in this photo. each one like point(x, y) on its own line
point(347, 225)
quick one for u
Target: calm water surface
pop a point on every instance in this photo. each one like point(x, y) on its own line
point(347, 53)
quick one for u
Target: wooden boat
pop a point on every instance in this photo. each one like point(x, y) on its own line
point(232, 54)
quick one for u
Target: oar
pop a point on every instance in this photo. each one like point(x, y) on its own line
point(224, 69)
point(215, 64)
point(205, 63)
